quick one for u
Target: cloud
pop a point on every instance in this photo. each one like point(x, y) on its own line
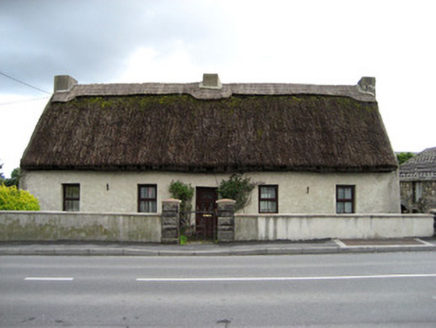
point(91, 40)
point(148, 64)
point(82, 38)
point(18, 116)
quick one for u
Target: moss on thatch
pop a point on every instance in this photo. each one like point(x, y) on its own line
point(235, 134)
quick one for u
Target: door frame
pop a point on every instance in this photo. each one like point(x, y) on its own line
point(206, 219)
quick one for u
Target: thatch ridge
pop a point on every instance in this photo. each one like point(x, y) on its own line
point(241, 133)
point(226, 91)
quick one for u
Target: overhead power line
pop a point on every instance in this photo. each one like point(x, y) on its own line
point(26, 84)
point(22, 101)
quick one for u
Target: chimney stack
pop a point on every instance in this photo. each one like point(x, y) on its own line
point(211, 81)
point(367, 85)
point(63, 83)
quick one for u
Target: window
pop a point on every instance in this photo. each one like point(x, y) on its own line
point(71, 201)
point(417, 191)
point(345, 196)
point(268, 199)
point(147, 198)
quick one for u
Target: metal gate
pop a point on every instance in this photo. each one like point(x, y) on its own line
point(198, 225)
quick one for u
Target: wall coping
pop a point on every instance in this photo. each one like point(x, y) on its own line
point(171, 200)
point(285, 215)
point(339, 216)
point(226, 200)
point(82, 213)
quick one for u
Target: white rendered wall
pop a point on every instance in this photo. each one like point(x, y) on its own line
point(311, 227)
point(116, 192)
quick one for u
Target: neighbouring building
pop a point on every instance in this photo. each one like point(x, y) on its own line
point(115, 148)
point(418, 182)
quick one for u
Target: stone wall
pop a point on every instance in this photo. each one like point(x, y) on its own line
point(170, 221)
point(425, 203)
point(226, 220)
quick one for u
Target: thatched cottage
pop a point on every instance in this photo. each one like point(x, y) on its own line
point(418, 182)
point(117, 147)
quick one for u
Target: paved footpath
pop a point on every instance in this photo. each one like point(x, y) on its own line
point(229, 249)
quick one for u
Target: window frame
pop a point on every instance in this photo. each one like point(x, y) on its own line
point(417, 191)
point(351, 200)
point(147, 185)
point(65, 198)
point(275, 199)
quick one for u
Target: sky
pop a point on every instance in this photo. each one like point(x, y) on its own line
point(284, 41)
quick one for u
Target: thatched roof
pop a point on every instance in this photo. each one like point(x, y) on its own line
point(420, 167)
point(230, 128)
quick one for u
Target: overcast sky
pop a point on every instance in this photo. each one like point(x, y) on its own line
point(301, 41)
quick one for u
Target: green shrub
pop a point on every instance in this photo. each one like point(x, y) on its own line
point(13, 199)
point(183, 240)
point(236, 188)
point(183, 192)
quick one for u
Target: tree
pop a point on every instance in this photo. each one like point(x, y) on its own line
point(403, 157)
point(15, 178)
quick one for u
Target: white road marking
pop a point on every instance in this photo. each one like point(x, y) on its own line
point(340, 243)
point(421, 242)
point(424, 242)
point(49, 279)
point(230, 279)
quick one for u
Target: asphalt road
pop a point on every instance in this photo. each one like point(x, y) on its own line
point(362, 290)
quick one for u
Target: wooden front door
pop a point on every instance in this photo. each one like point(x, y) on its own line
point(205, 208)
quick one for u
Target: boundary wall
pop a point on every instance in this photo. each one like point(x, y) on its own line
point(163, 227)
point(58, 226)
point(351, 226)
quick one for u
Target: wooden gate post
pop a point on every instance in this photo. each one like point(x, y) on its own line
point(226, 220)
point(170, 221)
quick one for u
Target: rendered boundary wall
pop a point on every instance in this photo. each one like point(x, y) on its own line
point(312, 227)
point(57, 226)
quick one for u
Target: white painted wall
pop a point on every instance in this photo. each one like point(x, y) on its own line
point(298, 192)
point(51, 226)
point(312, 227)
